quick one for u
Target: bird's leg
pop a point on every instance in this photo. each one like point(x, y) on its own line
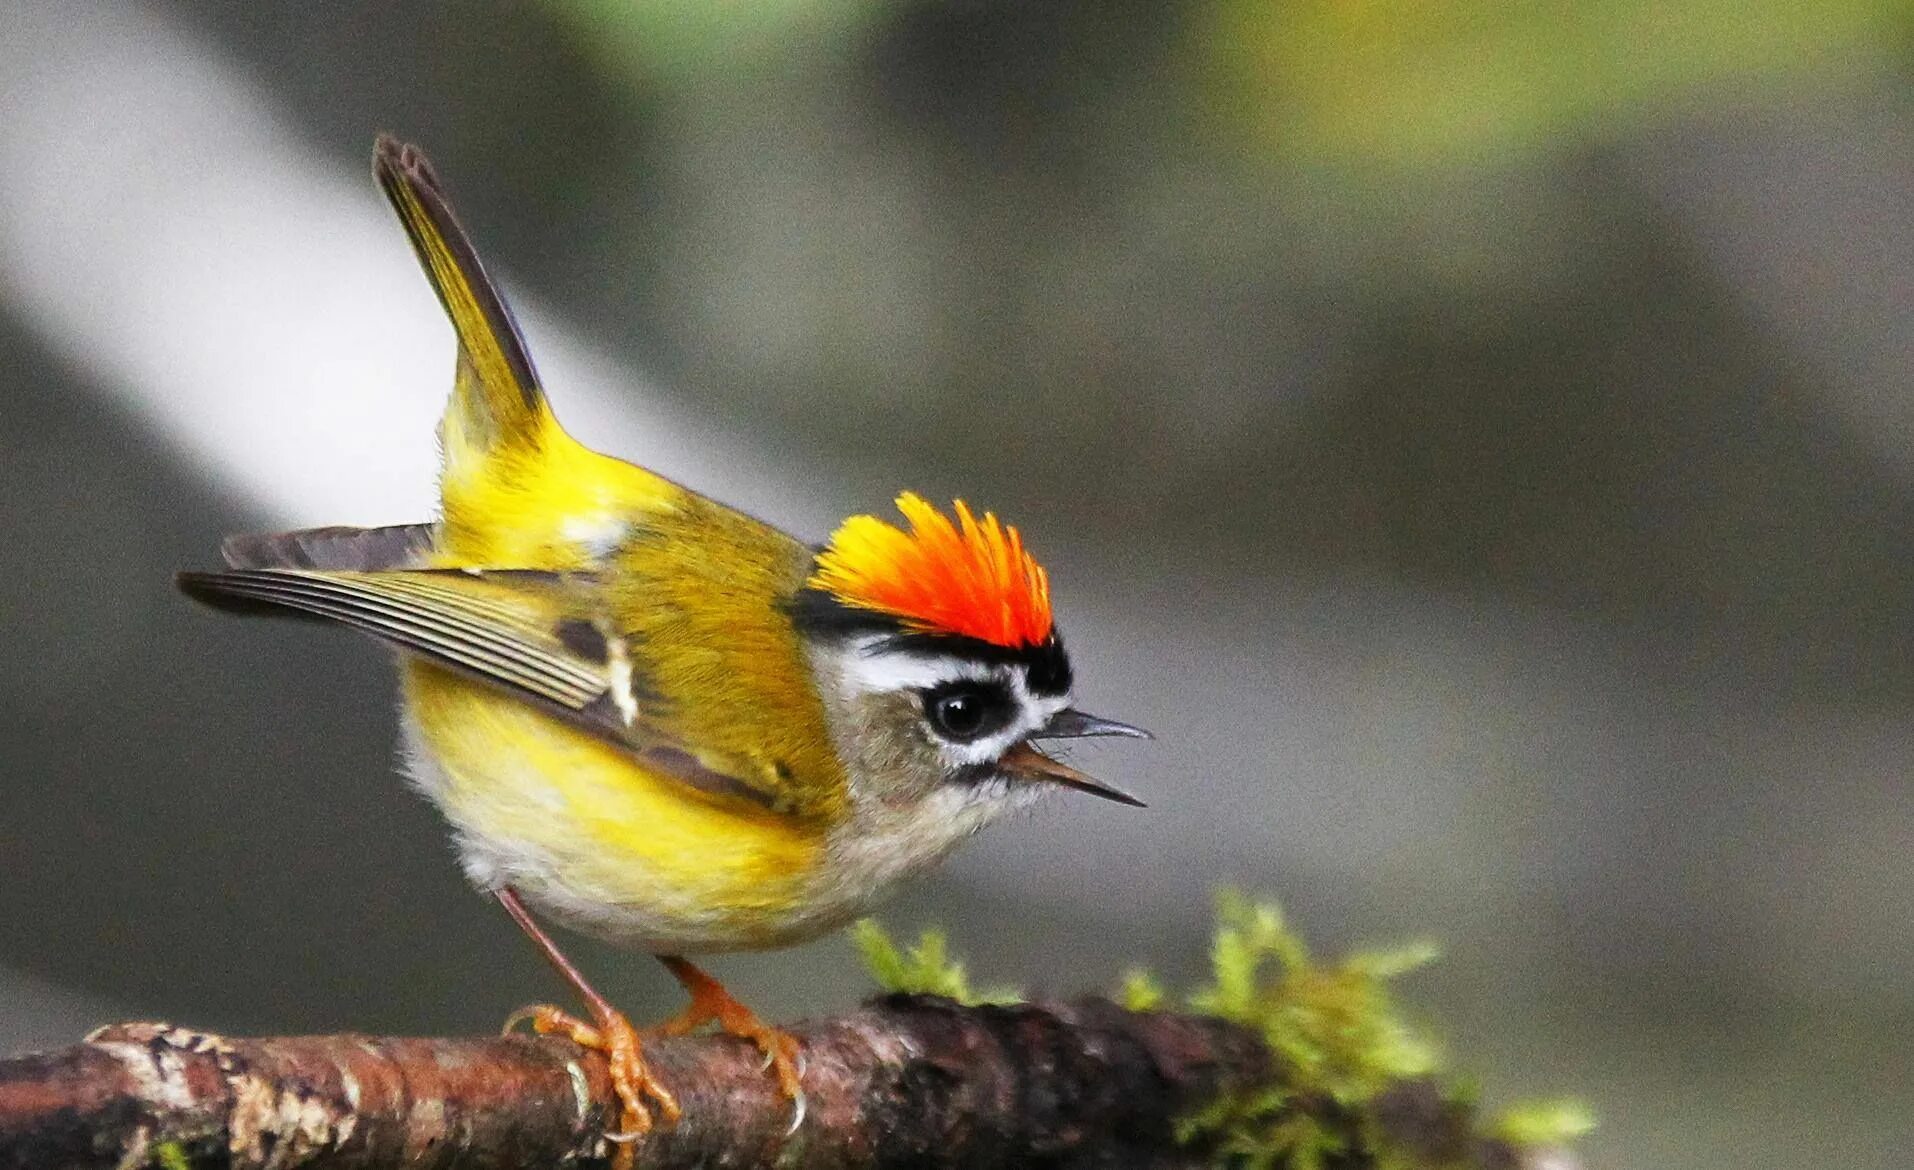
point(711, 1003)
point(609, 1032)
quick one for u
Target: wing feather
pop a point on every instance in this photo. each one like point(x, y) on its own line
point(437, 613)
point(402, 546)
point(520, 630)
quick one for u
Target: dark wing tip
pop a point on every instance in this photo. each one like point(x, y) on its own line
point(393, 159)
point(198, 585)
point(222, 591)
point(189, 582)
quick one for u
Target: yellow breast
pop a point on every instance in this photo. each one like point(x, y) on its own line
point(588, 833)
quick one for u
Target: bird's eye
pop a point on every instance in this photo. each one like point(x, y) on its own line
point(963, 712)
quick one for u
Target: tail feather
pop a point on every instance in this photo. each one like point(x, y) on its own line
point(514, 489)
point(498, 398)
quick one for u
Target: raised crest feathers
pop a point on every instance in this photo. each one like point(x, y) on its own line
point(971, 578)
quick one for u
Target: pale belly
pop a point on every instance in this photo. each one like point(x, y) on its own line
point(590, 838)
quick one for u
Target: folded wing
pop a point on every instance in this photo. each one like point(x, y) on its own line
point(533, 634)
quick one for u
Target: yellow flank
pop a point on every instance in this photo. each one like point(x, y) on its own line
point(707, 663)
point(695, 589)
point(579, 822)
point(590, 825)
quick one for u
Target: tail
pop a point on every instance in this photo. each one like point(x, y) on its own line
point(497, 401)
point(515, 490)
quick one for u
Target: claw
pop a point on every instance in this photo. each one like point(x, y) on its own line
point(712, 1004)
point(799, 1102)
point(630, 1079)
point(610, 1033)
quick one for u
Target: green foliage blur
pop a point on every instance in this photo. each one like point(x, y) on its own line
point(1393, 84)
point(1360, 84)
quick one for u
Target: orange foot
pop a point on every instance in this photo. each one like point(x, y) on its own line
point(711, 1003)
point(614, 1036)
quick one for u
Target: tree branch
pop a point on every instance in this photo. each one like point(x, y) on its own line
point(903, 1081)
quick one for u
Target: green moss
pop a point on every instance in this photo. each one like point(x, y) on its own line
point(1339, 1038)
point(1335, 1025)
point(924, 969)
point(171, 1156)
point(1262, 1128)
point(1543, 1123)
point(1141, 992)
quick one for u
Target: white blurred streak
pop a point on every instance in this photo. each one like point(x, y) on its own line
point(168, 234)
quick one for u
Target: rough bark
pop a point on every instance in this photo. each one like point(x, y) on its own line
point(904, 1081)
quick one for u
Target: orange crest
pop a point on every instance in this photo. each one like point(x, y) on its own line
point(972, 578)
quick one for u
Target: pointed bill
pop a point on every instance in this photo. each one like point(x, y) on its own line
point(1071, 723)
point(1024, 760)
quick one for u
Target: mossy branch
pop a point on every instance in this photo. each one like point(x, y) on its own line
point(1292, 1063)
point(1346, 1059)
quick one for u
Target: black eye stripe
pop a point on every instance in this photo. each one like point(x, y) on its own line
point(1046, 666)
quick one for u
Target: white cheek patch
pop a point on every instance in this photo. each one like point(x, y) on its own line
point(983, 751)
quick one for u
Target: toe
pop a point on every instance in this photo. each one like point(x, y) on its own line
point(547, 1020)
point(667, 1104)
point(633, 1078)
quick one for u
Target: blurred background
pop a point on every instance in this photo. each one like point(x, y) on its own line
point(1476, 437)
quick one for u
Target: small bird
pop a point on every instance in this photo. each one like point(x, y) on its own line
point(654, 719)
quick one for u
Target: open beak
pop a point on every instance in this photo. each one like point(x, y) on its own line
point(1024, 760)
point(1071, 723)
